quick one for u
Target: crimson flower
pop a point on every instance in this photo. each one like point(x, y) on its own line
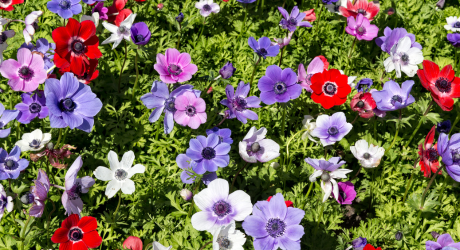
point(77, 234)
point(443, 84)
point(288, 202)
point(330, 88)
point(54, 155)
point(8, 4)
point(429, 154)
point(117, 12)
point(75, 43)
point(370, 247)
point(368, 9)
point(364, 104)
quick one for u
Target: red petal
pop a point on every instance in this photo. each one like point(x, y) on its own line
point(447, 72)
point(77, 65)
point(61, 37)
point(66, 246)
point(70, 221)
point(345, 12)
point(133, 243)
point(119, 4)
point(338, 101)
point(61, 63)
point(92, 48)
point(445, 103)
point(430, 138)
point(73, 27)
point(423, 80)
point(317, 82)
point(61, 235)
point(92, 239)
point(79, 245)
point(431, 71)
point(87, 224)
point(334, 74)
point(87, 30)
point(122, 15)
point(455, 93)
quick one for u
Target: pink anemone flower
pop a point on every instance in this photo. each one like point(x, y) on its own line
point(315, 66)
point(175, 66)
point(361, 28)
point(190, 110)
point(347, 193)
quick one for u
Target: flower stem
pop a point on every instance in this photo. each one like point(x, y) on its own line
point(281, 56)
point(254, 71)
point(178, 39)
point(306, 196)
point(375, 128)
point(244, 20)
point(319, 20)
point(408, 185)
point(457, 119)
point(23, 232)
point(13, 214)
point(441, 194)
point(122, 67)
point(118, 206)
point(343, 36)
point(237, 173)
point(396, 134)
point(48, 225)
point(356, 118)
point(193, 201)
point(207, 243)
point(419, 124)
point(284, 119)
point(352, 47)
point(59, 138)
point(57, 186)
point(320, 215)
point(137, 72)
point(372, 187)
point(202, 28)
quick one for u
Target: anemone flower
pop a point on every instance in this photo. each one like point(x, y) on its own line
point(308, 126)
point(133, 243)
point(444, 127)
point(207, 7)
point(392, 36)
point(282, 41)
point(369, 155)
point(6, 202)
point(43, 48)
point(123, 31)
point(238, 103)
point(449, 150)
point(224, 134)
point(364, 104)
point(32, 106)
point(331, 129)
point(190, 110)
point(263, 47)
point(228, 238)
point(254, 147)
point(31, 25)
point(330, 88)
point(429, 154)
point(65, 8)
point(77, 233)
point(140, 33)
point(364, 7)
point(101, 10)
point(453, 24)
point(74, 187)
point(359, 243)
point(335, 7)
point(444, 241)
point(117, 12)
point(393, 97)
point(310, 15)
point(361, 28)
point(278, 85)
point(347, 193)
point(4, 35)
point(454, 39)
point(188, 165)
point(304, 78)
point(174, 66)
point(293, 20)
point(39, 193)
point(34, 141)
point(11, 164)
point(227, 70)
point(8, 4)
point(6, 116)
point(208, 153)
point(55, 156)
point(404, 57)
point(364, 85)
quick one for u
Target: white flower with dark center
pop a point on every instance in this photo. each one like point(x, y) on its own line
point(207, 7)
point(255, 147)
point(308, 126)
point(34, 141)
point(119, 33)
point(227, 238)
point(404, 58)
point(368, 155)
point(6, 202)
point(453, 23)
point(120, 173)
point(158, 246)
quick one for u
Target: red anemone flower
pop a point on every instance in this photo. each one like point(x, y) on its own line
point(364, 104)
point(117, 13)
point(443, 84)
point(8, 4)
point(75, 43)
point(91, 72)
point(366, 8)
point(78, 234)
point(133, 243)
point(429, 154)
point(330, 88)
point(288, 203)
point(370, 247)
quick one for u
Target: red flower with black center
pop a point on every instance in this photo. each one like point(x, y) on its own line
point(75, 43)
point(370, 247)
point(288, 203)
point(364, 7)
point(443, 84)
point(8, 4)
point(429, 154)
point(117, 12)
point(364, 104)
point(330, 88)
point(78, 234)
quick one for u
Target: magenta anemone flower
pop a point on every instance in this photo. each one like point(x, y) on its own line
point(238, 103)
point(26, 73)
point(11, 164)
point(32, 106)
point(190, 110)
point(347, 193)
point(208, 153)
point(74, 187)
point(175, 66)
point(304, 78)
point(361, 28)
point(39, 193)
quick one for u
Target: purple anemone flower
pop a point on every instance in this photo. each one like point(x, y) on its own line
point(364, 85)
point(238, 103)
point(254, 147)
point(273, 225)
point(278, 85)
point(329, 1)
point(223, 133)
point(5, 117)
point(6, 202)
point(227, 71)
point(208, 153)
point(393, 97)
point(264, 47)
point(160, 99)
point(444, 127)
point(361, 28)
point(71, 103)
point(449, 150)
point(331, 129)
point(454, 39)
point(65, 8)
point(180, 17)
point(32, 107)
point(208, 178)
point(140, 33)
point(392, 37)
point(91, 2)
point(290, 22)
point(99, 8)
point(444, 242)
point(44, 48)
point(359, 243)
point(347, 193)
point(74, 187)
point(246, 1)
point(187, 165)
point(11, 164)
point(39, 193)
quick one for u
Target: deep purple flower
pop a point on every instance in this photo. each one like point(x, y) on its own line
point(223, 133)
point(180, 17)
point(278, 85)
point(264, 47)
point(273, 225)
point(71, 103)
point(454, 39)
point(74, 187)
point(140, 33)
point(290, 22)
point(392, 37)
point(208, 178)
point(440, 4)
point(347, 193)
point(44, 48)
point(359, 243)
point(33, 105)
point(39, 193)
point(246, 1)
point(444, 127)
point(90, 2)
point(329, 1)
point(65, 8)
point(5, 117)
point(238, 103)
point(227, 71)
point(187, 165)
point(444, 242)
point(99, 8)
point(361, 28)
point(393, 97)
point(208, 153)
point(364, 85)
point(11, 164)
point(160, 99)
point(331, 129)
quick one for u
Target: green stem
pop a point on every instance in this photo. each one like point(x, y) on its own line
point(18, 130)
point(244, 20)
point(48, 225)
point(24, 232)
point(207, 243)
point(178, 39)
point(122, 67)
point(319, 21)
point(352, 48)
point(202, 28)
point(396, 134)
point(59, 138)
point(237, 173)
point(408, 186)
point(372, 187)
point(254, 71)
point(281, 56)
point(320, 216)
point(457, 119)
point(15, 223)
point(137, 72)
point(306, 196)
point(284, 119)
point(118, 206)
point(422, 119)
point(441, 194)
point(455, 216)
point(197, 185)
point(375, 128)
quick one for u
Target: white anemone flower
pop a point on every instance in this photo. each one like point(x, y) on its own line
point(228, 238)
point(255, 147)
point(403, 58)
point(31, 24)
point(309, 126)
point(159, 246)
point(207, 7)
point(93, 18)
point(6, 202)
point(120, 173)
point(453, 23)
point(335, 7)
point(368, 155)
point(34, 141)
point(119, 33)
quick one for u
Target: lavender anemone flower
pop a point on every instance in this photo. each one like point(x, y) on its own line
point(255, 147)
point(273, 225)
point(91, 2)
point(5, 117)
point(39, 193)
point(444, 241)
point(392, 37)
point(359, 243)
point(6, 202)
point(331, 129)
point(99, 8)
point(449, 150)
point(238, 103)
point(74, 187)
point(44, 49)
point(454, 39)
point(263, 47)
point(364, 85)
point(65, 8)
point(393, 97)
point(71, 103)
point(11, 164)
point(278, 85)
point(208, 153)
point(140, 33)
point(227, 71)
point(223, 133)
point(444, 127)
point(347, 193)
point(361, 28)
point(246, 1)
point(187, 165)
point(32, 107)
point(283, 41)
point(160, 99)
point(304, 78)
point(290, 22)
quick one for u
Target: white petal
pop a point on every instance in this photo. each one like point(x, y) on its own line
point(103, 174)
point(409, 69)
point(86, 18)
point(315, 175)
point(112, 188)
point(110, 27)
point(37, 134)
point(46, 138)
point(335, 188)
point(128, 187)
point(204, 199)
point(158, 246)
point(415, 55)
point(24, 146)
point(340, 173)
point(403, 45)
point(241, 202)
point(9, 204)
point(389, 65)
point(127, 160)
point(327, 188)
point(219, 189)
point(137, 169)
point(201, 221)
point(128, 22)
point(242, 146)
point(113, 160)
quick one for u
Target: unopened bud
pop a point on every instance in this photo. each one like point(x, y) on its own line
point(160, 6)
point(186, 194)
point(435, 235)
point(274, 165)
point(50, 146)
point(399, 236)
point(390, 11)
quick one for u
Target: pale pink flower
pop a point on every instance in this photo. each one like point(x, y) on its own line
point(190, 110)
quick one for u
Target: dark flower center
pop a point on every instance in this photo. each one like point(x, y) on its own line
point(337, 8)
point(443, 85)
point(280, 88)
point(11, 165)
point(35, 143)
point(64, 4)
point(366, 156)
point(325, 176)
point(221, 208)
point(170, 104)
point(361, 30)
point(362, 11)
point(35, 108)
point(275, 227)
point(262, 52)
point(78, 47)
point(139, 38)
point(255, 147)
point(457, 24)
point(455, 156)
point(333, 130)
point(26, 73)
point(35, 25)
point(396, 98)
point(121, 174)
point(330, 88)
point(399, 235)
point(432, 154)
point(405, 58)
point(27, 198)
point(190, 110)
point(292, 22)
point(239, 103)
point(360, 104)
point(3, 202)
point(224, 242)
point(3, 38)
point(67, 105)
point(343, 194)
point(174, 70)
point(75, 234)
point(207, 7)
point(75, 192)
point(208, 153)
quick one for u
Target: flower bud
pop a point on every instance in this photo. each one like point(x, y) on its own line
point(160, 6)
point(227, 71)
point(390, 11)
point(399, 236)
point(50, 146)
point(444, 127)
point(435, 235)
point(186, 194)
point(274, 165)
point(180, 17)
point(440, 4)
point(359, 243)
